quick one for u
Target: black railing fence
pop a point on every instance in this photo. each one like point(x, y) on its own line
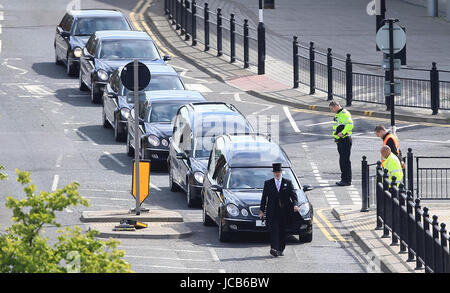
point(362, 82)
point(214, 30)
point(424, 240)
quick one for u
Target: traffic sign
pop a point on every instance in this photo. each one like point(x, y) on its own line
point(144, 180)
point(383, 38)
point(397, 88)
point(387, 66)
point(127, 76)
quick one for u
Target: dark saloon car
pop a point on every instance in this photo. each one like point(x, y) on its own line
point(117, 101)
point(232, 188)
point(106, 51)
point(195, 128)
point(75, 29)
point(156, 128)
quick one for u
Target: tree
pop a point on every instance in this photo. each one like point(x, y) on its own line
point(24, 249)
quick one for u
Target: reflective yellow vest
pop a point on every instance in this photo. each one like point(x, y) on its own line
point(343, 123)
point(394, 167)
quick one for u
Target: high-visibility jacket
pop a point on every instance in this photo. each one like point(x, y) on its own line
point(394, 167)
point(342, 123)
point(396, 143)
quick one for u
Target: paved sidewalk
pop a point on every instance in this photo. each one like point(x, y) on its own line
point(268, 87)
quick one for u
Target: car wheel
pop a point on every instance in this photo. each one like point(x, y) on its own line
point(105, 121)
point(82, 86)
point(57, 61)
point(223, 236)
point(305, 238)
point(207, 221)
point(118, 135)
point(95, 97)
point(71, 70)
point(173, 186)
point(191, 202)
point(130, 150)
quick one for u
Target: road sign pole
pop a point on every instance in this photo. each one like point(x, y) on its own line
point(136, 136)
point(391, 70)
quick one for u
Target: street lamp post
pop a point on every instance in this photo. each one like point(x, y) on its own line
point(261, 40)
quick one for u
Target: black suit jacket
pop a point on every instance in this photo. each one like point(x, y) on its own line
point(271, 198)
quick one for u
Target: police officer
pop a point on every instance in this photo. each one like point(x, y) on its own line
point(277, 201)
point(392, 164)
point(390, 140)
point(342, 131)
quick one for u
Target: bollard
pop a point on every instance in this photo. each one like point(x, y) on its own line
point(427, 250)
point(401, 217)
point(194, 23)
point(166, 8)
point(173, 11)
point(261, 48)
point(434, 88)
point(385, 202)
point(419, 239)
point(364, 185)
point(410, 169)
point(246, 44)
point(436, 258)
point(380, 198)
point(394, 195)
point(410, 226)
point(445, 262)
point(330, 74)
point(219, 32)
point(185, 23)
point(178, 14)
point(183, 17)
point(206, 19)
point(295, 61)
point(312, 74)
point(433, 9)
point(232, 38)
point(348, 80)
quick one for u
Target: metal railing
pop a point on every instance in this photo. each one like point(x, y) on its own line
point(433, 180)
point(410, 226)
point(363, 82)
point(215, 31)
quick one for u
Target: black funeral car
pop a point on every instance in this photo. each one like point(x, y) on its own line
point(156, 128)
point(195, 128)
point(106, 51)
point(75, 29)
point(232, 189)
point(117, 100)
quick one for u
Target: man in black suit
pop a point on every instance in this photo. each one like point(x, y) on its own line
point(278, 200)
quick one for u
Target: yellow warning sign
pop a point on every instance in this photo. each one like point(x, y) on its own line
point(144, 180)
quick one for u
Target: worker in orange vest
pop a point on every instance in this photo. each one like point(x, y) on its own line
point(390, 140)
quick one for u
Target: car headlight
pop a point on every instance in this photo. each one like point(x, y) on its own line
point(304, 209)
point(125, 112)
point(244, 212)
point(153, 140)
point(164, 142)
point(102, 75)
point(77, 52)
point(232, 210)
point(199, 177)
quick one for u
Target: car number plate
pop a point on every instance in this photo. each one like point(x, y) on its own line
point(260, 223)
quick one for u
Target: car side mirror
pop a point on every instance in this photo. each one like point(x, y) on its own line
point(181, 156)
point(167, 58)
point(307, 187)
point(216, 188)
point(65, 34)
point(141, 121)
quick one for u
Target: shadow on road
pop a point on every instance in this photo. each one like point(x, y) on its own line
point(51, 70)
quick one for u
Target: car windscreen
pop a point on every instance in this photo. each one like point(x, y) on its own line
point(212, 124)
point(160, 83)
point(253, 178)
point(128, 49)
point(202, 146)
point(86, 26)
point(163, 111)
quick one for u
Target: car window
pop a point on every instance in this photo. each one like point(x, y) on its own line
point(253, 178)
point(127, 49)
point(86, 26)
point(68, 23)
point(163, 111)
point(63, 21)
point(179, 125)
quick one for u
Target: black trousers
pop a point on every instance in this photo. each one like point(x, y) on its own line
point(277, 230)
point(344, 146)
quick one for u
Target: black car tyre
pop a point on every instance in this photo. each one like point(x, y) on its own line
point(82, 86)
point(191, 202)
point(130, 150)
point(95, 97)
point(173, 186)
point(105, 121)
point(118, 135)
point(305, 238)
point(71, 69)
point(223, 236)
point(57, 61)
point(207, 221)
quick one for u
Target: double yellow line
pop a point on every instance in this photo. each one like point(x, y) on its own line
point(137, 18)
point(337, 236)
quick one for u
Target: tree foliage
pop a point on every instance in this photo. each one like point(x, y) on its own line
point(24, 249)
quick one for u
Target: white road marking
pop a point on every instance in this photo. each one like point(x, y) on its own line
point(103, 190)
point(2, 15)
point(237, 97)
point(38, 90)
point(321, 123)
point(175, 268)
point(166, 258)
point(114, 159)
point(84, 136)
point(406, 126)
point(162, 249)
point(214, 254)
point(55, 182)
point(59, 160)
point(155, 187)
point(291, 120)
point(198, 87)
point(108, 198)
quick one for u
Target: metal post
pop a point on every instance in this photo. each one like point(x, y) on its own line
point(349, 80)
point(385, 203)
point(410, 170)
point(295, 61)
point(246, 44)
point(380, 198)
point(173, 11)
point(232, 38)
point(391, 73)
point(427, 250)
point(219, 32)
point(166, 8)
point(381, 15)
point(194, 23)
point(136, 137)
point(433, 9)
point(185, 23)
point(206, 19)
point(410, 226)
point(330, 74)
point(178, 14)
point(436, 259)
point(261, 40)
point(387, 100)
point(419, 237)
point(394, 195)
point(434, 86)
point(401, 216)
point(364, 185)
point(312, 73)
point(183, 16)
point(445, 262)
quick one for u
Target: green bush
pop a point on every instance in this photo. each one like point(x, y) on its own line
point(23, 249)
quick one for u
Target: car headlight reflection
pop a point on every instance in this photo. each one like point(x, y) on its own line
point(199, 176)
point(77, 52)
point(232, 210)
point(244, 212)
point(164, 142)
point(125, 112)
point(153, 140)
point(304, 209)
point(102, 75)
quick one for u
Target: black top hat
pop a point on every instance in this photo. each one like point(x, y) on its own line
point(276, 167)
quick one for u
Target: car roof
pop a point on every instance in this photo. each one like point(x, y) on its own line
point(95, 12)
point(174, 95)
point(253, 150)
point(117, 34)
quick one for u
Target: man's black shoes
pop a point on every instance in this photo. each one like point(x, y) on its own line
point(280, 253)
point(342, 183)
point(274, 252)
